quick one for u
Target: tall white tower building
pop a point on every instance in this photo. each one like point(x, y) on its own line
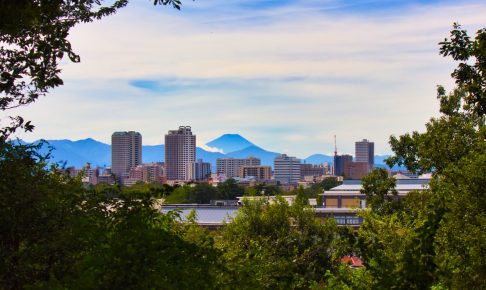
point(180, 153)
point(126, 152)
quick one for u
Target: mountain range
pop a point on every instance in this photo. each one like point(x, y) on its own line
point(78, 153)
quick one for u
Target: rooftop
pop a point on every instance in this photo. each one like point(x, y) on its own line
point(402, 185)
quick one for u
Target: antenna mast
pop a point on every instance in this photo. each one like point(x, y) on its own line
point(335, 146)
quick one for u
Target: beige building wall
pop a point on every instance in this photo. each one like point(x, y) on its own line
point(259, 172)
point(231, 166)
point(350, 202)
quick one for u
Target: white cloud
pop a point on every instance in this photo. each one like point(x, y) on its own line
point(291, 82)
point(210, 149)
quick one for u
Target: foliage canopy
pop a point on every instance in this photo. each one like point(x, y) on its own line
point(435, 238)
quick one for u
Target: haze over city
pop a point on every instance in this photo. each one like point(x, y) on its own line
point(288, 75)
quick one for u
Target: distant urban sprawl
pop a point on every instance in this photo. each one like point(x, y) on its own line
point(179, 165)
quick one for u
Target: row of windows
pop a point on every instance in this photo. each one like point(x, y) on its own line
point(347, 220)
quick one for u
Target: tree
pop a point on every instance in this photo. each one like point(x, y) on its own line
point(454, 134)
point(33, 40)
point(203, 193)
point(37, 207)
point(180, 194)
point(398, 246)
point(266, 189)
point(460, 238)
point(230, 189)
point(380, 192)
point(140, 248)
point(434, 237)
point(55, 234)
point(454, 147)
point(277, 246)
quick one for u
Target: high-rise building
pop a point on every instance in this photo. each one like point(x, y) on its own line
point(287, 169)
point(126, 152)
point(180, 152)
point(199, 170)
point(365, 152)
point(231, 166)
point(340, 162)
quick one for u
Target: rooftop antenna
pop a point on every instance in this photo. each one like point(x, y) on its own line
point(335, 146)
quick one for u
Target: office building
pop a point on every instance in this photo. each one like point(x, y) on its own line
point(312, 170)
point(286, 169)
point(230, 167)
point(199, 170)
point(365, 152)
point(153, 172)
point(355, 170)
point(260, 173)
point(340, 162)
point(180, 152)
point(126, 152)
point(106, 178)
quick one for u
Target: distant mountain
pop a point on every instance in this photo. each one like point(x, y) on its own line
point(229, 143)
point(380, 162)
point(210, 157)
point(265, 156)
point(319, 159)
point(380, 159)
point(153, 153)
point(78, 153)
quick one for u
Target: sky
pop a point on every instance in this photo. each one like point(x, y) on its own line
point(286, 75)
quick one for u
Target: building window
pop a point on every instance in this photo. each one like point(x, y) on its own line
point(340, 220)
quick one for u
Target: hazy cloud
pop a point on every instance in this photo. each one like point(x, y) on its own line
point(285, 74)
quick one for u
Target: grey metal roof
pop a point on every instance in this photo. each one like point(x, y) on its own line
point(402, 185)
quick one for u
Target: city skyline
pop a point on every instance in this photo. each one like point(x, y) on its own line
point(288, 75)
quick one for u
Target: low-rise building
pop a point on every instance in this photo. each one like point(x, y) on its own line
point(106, 178)
point(90, 175)
point(342, 202)
point(151, 172)
point(230, 167)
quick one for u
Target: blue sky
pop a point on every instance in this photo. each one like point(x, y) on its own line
point(287, 75)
